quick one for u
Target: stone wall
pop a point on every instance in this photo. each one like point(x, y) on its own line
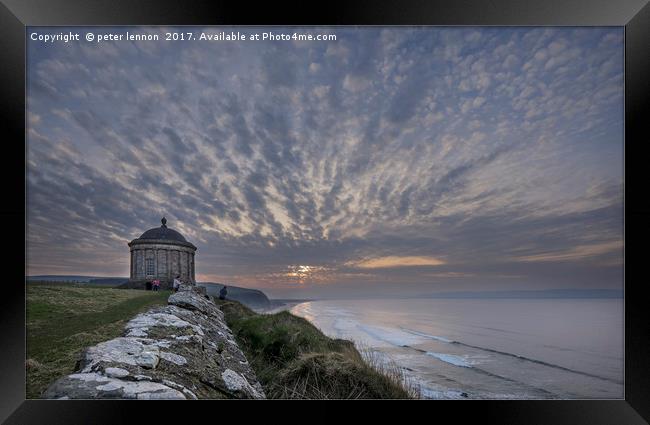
point(183, 350)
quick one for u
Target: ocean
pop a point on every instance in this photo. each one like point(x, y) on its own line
point(488, 348)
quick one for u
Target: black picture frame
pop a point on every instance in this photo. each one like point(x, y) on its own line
point(634, 15)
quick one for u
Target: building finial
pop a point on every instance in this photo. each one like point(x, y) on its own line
point(164, 222)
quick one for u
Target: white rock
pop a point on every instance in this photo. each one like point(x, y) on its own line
point(190, 394)
point(127, 350)
point(89, 377)
point(116, 372)
point(181, 388)
point(111, 386)
point(189, 299)
point(162, 395)
point(140, 324)
point(174, 358)
point(183, 337)
point(148, 359)
point(163, 343)
point(138, 332)
point(236, 382)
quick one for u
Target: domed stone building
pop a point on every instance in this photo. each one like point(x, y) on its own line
point(161, 253)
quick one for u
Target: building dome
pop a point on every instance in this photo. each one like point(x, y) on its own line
point(163, 232)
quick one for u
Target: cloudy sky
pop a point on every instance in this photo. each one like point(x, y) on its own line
point(408, 159)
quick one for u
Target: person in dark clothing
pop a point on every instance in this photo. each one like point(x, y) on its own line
point(223, 292)
point(148, 286)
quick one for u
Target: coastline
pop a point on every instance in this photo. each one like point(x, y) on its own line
point(484, 359)
point(281, 305)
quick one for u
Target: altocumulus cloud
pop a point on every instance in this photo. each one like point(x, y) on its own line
point(421, 156)
point(397, 261)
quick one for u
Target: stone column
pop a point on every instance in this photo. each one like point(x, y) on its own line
point(169, 267)
point(180, 263)
point(193, 275)
point(143, 264)
point(189, 270)
point(155, 263)
point(138, 260)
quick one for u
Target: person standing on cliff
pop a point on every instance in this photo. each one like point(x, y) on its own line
point(177, 283)
point(223, 292)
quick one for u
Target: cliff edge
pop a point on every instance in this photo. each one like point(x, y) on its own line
point(252, 298)
point(184, 350)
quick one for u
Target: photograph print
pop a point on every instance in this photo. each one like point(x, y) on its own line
point(324, 212)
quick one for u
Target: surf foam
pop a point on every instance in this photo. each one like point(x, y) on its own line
point(450, 358)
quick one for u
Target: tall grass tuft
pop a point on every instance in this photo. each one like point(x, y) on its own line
point(293, 359)
point(386, 366)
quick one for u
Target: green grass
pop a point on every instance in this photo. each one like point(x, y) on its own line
point(63, 319)
point(293, 359)
point(290, 356)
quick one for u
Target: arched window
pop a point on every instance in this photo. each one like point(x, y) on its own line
point(149, 267)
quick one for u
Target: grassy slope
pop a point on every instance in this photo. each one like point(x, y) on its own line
point(62, 320)
point(293, 359)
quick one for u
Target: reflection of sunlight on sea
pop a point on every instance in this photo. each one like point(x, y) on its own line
point(304, 310)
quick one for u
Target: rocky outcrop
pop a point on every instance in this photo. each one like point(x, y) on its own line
point(183, 350)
